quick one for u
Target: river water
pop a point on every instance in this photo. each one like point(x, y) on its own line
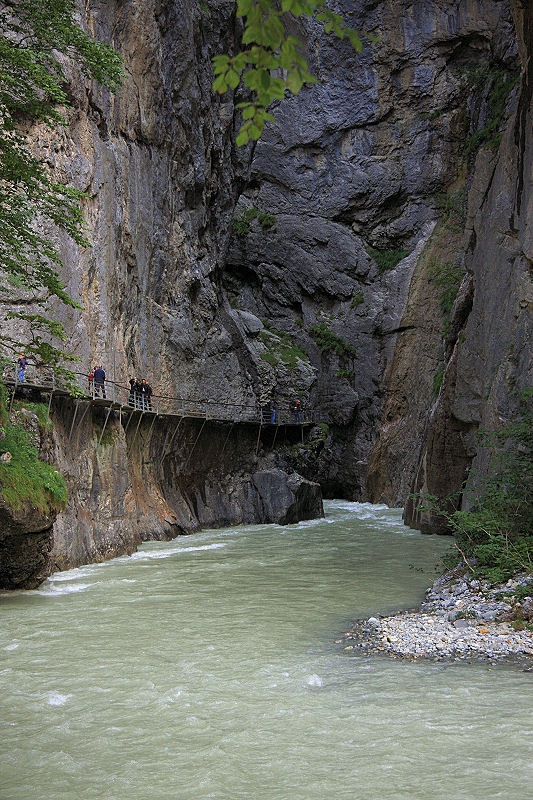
point(207, 667)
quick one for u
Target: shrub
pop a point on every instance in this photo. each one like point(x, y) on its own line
point(345, 373)
point(501, 82)
point(26, 479)
point(358, 299)
point(437, 380)
point(282, 347)
point(39, 409)
point(386, 259)
point(270, 358)
point(498, 532)
point(266, 220)
point(328, 341)
point(241, 226)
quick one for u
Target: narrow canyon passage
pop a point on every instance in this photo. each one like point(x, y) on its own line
point(207, 667)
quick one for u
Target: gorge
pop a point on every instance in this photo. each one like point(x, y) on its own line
point(371, 254)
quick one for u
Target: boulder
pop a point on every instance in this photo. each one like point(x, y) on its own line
point(286, 499)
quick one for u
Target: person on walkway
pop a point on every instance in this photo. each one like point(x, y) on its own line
point(147, 392)
point(22, 364)
point(91, 381)
point(132, 399)
point(272, 413)
point(297, 412)
point(99, 382)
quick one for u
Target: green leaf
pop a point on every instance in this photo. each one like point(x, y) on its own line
point(233, 78)
point(294, 81)
point(220, 84)
point(244, 7)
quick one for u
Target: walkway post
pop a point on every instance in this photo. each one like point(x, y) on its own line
point(73, 419)
point(195, 443)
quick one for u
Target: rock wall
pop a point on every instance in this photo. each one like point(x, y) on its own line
point(154, 478)
point(358, 171)
point(489, 349)
point(214, 270)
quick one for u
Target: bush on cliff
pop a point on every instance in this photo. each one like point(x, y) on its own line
point(27, 479)
point(497, 533)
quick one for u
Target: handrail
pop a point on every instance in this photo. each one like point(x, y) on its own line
point(169, 405)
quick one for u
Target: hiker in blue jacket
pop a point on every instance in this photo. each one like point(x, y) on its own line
point(99, 381)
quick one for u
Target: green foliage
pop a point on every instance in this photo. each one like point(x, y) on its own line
point(241, 226)
point(283, 348)
point(35, 36)
point(266, 220)
point(27, 479)
point(386, 259)
point(357, 300)
point(448, 279)
point(39, 409)
point(324, 430)
point(498, 531)
point(108, 437)
point(437, 380)
point(501, 82)
point(270, 358)
point(328, 341)
point(452, 206)
point(273, 63)
point(346, 373)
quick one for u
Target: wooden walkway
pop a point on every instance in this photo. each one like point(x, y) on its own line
point(119, 398)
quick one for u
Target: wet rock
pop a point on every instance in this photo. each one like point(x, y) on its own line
point(287, 499)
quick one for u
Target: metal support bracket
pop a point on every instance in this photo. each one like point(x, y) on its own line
point(103, 429)
point(194, 445)
point(73, 419)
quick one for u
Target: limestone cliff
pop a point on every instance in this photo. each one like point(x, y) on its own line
point(489, 347)
point(316, 262)
point(142, 479)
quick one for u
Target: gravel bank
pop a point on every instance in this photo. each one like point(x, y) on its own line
point(460, 618)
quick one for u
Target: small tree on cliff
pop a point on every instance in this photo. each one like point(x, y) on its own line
point(273, 63)
point(34, 34)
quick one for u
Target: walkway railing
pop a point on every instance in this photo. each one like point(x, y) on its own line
point(121, 397)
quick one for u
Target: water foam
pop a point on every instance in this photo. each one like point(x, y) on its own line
point(71, 574)
point(51, 590)
point(57, 699)
point(314, 680)
point(142, 555)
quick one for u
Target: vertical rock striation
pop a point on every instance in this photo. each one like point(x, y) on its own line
point(489, 348)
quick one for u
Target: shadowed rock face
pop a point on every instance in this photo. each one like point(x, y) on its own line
point(356, 172)
point(489, 350)
point(365, 160)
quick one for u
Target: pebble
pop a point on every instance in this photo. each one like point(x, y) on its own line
point(446, 627)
